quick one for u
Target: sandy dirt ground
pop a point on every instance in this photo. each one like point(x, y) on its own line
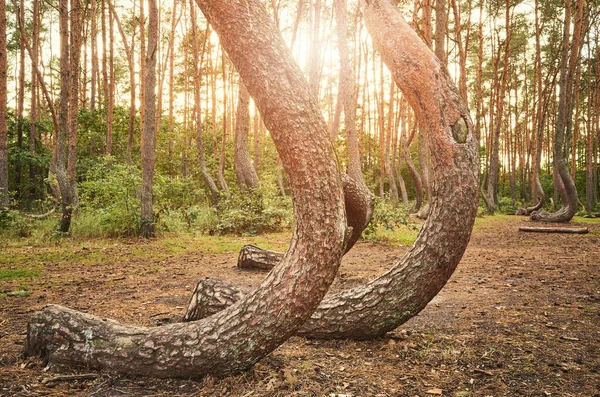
point(519, 317)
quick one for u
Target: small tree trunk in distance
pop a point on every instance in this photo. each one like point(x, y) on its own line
point(240, 335)
point(198, 57)
point(388, 146)
point(494, 158)
point(383, 304)
point(64, 185)
point(348, 94)
point(4, 199)
point(424, 166)
point(221, 170)
point(148, 133)
point(246, 176)
point(76, 31)
point(131, 64)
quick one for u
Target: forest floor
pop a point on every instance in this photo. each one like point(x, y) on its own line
point(519, 317)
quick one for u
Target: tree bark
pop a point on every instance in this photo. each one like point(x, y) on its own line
point(131, 64)
point(76, 32)
point(240, 335)
point(568, 230)
point(348, 94)
point(383, 304)
point(149, 130)
point(246, 176)
point(66, 198)
point(4, 199)
point(493, 172)
point(562, 179)
point(198, 58)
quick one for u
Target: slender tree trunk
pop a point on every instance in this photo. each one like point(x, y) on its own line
point(440, 31)
point(314, 60)
point(388, 163)
point(143, 56)
point(348, 94)
point(198, 57)
point(34, 98)
point(131, 64)
point(493, 173)
point(221, 171)
point(66, 198)
point(239, 336)
point(110, 100)
point(148, 133)
point(247, 179)
point(76, 16)
point(4, 199)
point(94, 50)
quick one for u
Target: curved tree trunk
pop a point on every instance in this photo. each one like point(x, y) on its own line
point(246, 176)
point(240, 335)
point(562, 178)
point(383, 304)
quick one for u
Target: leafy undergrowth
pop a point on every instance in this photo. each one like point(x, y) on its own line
point(519, 317)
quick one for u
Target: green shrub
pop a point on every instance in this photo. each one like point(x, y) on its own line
point(252, 213)
point(385, 216)
point(108, 202)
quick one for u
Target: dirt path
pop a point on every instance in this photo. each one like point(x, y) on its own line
point(520, 317)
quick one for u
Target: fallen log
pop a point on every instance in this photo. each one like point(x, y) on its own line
point(572, 230)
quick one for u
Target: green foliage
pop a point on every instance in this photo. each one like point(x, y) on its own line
point(259, 211)
point(14, 224)
point(108, 203)
point(386, 217)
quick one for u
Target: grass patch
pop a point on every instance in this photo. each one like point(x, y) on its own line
point(487, 221)
point(14, 274)
point(398, 236)
point(581, 219)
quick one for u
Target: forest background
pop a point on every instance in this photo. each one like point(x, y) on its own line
point(183, 149)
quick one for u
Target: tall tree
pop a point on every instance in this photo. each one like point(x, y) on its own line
point(236, 338)
point(149, 131)
point(246, 176)
point(198, 57)
point(563, 182)
point(493, 173)
point(62, 177)
point(76, 34)
point(348, 92)
point(4, 199)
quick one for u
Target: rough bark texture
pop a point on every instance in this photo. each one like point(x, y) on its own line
point(149, 126)
point(240, 335)
point(76, 33)
point(245, 173)
point(383, 304)
point(66, 199)
point(4, 200)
